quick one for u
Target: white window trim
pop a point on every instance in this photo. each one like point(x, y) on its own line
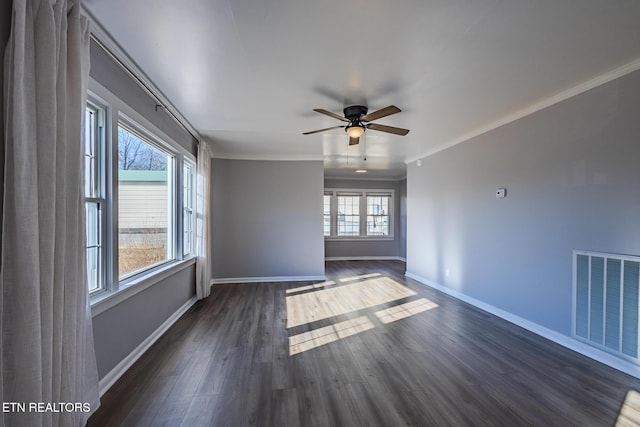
point(114, 290)
point(193, 167)
point(362, 193)
point(174, 213)
point(106, 300)
point(101, 195)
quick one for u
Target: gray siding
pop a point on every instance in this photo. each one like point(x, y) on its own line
point(142, 205)
point(572, 178)
point(369, 248)
point(267, 218)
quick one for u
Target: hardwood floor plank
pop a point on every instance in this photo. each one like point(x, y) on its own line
point(284, 408)
point(190, 378)
point(255, 394)
point(201, 411)
point(313, 407)
point(150, 401)
point(370, 406)
point(221, 371)
point(172, 412)
point(366, 347)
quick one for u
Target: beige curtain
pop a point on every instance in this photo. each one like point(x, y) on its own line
point(47, 355)
point(203, 210)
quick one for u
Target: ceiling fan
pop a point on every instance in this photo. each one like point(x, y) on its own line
point(359, 121)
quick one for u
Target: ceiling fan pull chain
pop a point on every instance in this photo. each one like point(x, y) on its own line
point(365, 148)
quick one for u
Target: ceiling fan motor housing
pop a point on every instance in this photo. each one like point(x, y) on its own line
point(354, 112)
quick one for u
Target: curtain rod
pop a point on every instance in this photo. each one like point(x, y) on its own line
point(145, 87)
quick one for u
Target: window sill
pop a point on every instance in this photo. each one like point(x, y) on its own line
point(357, 238)
point(106, 300)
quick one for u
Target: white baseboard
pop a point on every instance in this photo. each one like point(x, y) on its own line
point(115, 374)
point(365, 258)
point(563, 340)
point(266, 279)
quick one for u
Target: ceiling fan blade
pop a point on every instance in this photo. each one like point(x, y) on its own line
point(388, 129)
point(354, 141)
point(322, 130)
point(330, 114)
point(384, 112)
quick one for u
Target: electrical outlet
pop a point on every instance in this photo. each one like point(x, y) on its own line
point(501, 193)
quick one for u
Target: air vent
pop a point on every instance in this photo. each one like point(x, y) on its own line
point(605, 305)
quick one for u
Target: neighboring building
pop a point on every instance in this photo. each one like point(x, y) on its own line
point(143, 197)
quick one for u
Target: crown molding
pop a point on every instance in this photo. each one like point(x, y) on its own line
point(347, 178)
point(268, 157)
point(541, 105)
point(107, 42)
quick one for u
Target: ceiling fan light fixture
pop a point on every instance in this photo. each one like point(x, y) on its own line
point(354, 131)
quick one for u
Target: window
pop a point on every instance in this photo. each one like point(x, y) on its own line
point(188, 217)
point(348, 215)
point(94, 196)
point(327, 215)
point(145, 204)
point(358, 214)
point(378, 215)
point(139, 198)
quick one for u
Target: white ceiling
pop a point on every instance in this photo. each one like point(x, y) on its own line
point(247, 74)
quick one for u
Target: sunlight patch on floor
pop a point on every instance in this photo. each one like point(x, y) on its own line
point(310, 287)
point(405, 310)
point(328, 334)
point(362, 276)
point(630, 412)
point(325, 303)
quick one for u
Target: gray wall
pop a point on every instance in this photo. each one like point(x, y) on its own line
point(267, 218)
point(371, 248)
point(119, 330)
point(110, 75)
point(402, 200)
point(573, 182)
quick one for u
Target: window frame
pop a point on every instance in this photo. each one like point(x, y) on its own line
point(188, 163)
point(117, 111)
point(98, 196)
point(330, 214)
point(356, 199)
point(147, 137)
point(388, 215)
point(362, 194)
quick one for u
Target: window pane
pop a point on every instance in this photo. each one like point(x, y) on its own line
point(144, 204)
point(93, 270)
point(348, 215)
point(94, 248)
point(93, 223)
point(92, 187)
point(327, 215)
point(90, 145)
point(378, 215)
point(187, 216)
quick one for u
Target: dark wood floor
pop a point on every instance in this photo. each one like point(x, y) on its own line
point(369, 347)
